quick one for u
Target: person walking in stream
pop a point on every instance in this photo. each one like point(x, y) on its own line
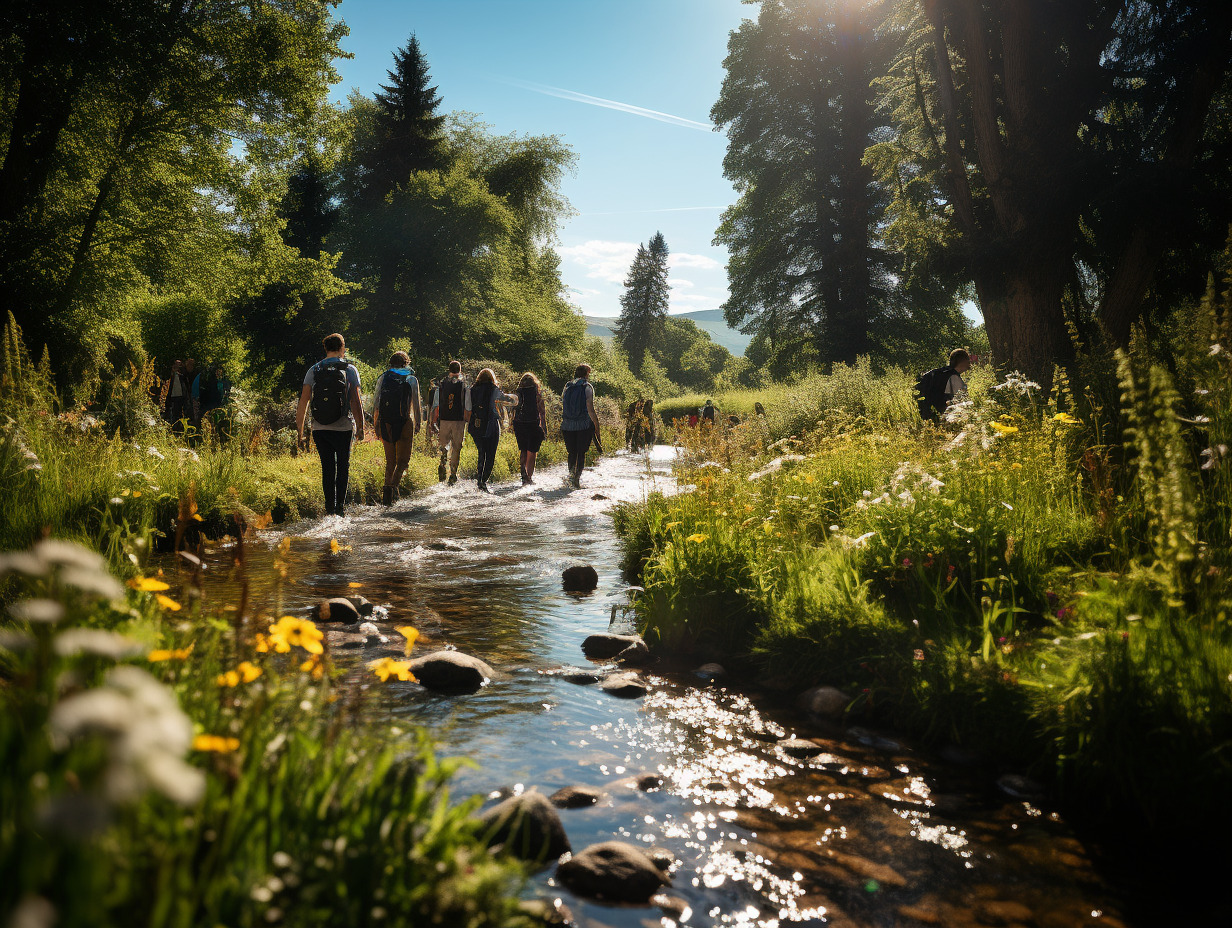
point(579, 425)
point(487, 400)
point(529, 424)
point(451, 410)
point(396, 417)
point(331, 389)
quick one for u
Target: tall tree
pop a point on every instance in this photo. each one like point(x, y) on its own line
point(644, 304)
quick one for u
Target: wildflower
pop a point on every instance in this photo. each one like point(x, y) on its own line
point(410, 633)
point(697, 538)
point(315, 665)
point(1216, 349)
point(45, 611)
point(300, 633)
point(177, 654)
point(216, 743)
point(808, 478)
point(95, 641)
point(1015, 466)
point(1064, 418)
point(246, 672)
point(167, 602)
point(1064, 613)
point(148, 584)
point(672, 525)
point(274, 641)
point(1002, 429)
point(907, 562)
point(387, 667)
point(919, 654)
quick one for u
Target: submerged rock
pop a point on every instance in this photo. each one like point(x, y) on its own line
point(581, 677)
point(614, 871)
point(624, 685)
point(527, 826)
point(580, 578)
point(337, 610)
point(799, 747)
point(825, 702)
point(710, 672)
point(451, 670)
point(605, 645)
point(576, 797)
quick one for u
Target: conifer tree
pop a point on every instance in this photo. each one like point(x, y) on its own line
point(408, 134)
point(643, 307)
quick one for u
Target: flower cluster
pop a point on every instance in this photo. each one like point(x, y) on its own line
point(1016, 385)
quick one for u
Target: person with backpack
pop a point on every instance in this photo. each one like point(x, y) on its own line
point(487, 398)
point(396, 417)
point(709, 413)
point(579, 424)
point(176, 391)
point(529, 424)
point(936, 389)
point(451, 410)
point(331, 388)
point(648, 424)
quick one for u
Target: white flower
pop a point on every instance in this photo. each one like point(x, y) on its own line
point(862, 541)
point(111, 645)
point(22, 562)
point(155, 453)
point(92, 582)
point(37, 610)
point(69, 554)
point(1216, 349)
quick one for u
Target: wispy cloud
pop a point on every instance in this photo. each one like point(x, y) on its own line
point(603, 260)
point(684, 259)
point(630, 108)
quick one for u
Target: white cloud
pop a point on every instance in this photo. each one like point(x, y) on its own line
point(681, 284)
point(684, 259)
point(602, 259)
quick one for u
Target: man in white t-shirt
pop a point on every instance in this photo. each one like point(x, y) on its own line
point(960, 363)
point(331, 386)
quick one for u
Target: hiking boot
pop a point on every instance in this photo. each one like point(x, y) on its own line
point(453, 478)
point(387, 496)
point(440, 474)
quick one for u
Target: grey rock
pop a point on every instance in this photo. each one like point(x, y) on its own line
point(605, 645)
point(527, 826)
point(337, 610)
point(614, 871)
point(624, 685)
point(361, 604)
point(451, 670)
point(635, 654)
point(580, 578)
point(710, 672)
point(646, 782)
point(444, 545)
point(581, 677)
point(673, 906)
point(576, 797)
point(799, 747)
point(825, 702)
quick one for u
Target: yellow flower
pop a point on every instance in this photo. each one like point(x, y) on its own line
point(1065, 418)
point(1004, 429)
point(246, 672)
point(1015, 466)
point(315, 665)
point(410, 634)
point(672, 525)
point(808, 478)
point(697, 538)
point(148, 584)
point(136, 494)
point(162, 654)
point(167, 602)
point(336, 547)
point(300, 633)
point(748, 507)
point(273, 641)
point(215, 743)
point(353, 585)
point(387, 667)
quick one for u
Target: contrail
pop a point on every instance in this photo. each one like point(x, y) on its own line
point(610, 104)
point(672, 209)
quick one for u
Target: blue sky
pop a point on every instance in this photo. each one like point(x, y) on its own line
point(588, 71)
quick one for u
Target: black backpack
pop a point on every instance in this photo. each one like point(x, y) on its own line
point(527, 411)
point(330, 391)
point(481, 409)
point(708, 413)
point(395, 404)
point(930, 392)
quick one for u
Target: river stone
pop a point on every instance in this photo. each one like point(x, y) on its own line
point(361, 604)
point(825, 702)
point(444, 545)
point(799, 747)
point(614, 871)
point(662, 858)
point(451, 670)
point(337, 610)
point(710, 672)
point(606, 645)
point(635, 654)
point(527, 826)
point(581, 677)
point(580, 578)
point(624, 685)
point(576, 797)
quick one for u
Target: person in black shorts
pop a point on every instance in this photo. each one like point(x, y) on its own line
point(529, 424)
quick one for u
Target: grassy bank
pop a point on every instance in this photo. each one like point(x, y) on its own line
point(1043, 580)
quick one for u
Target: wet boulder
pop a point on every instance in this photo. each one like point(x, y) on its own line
point(635, 654)
point(579, 578)
point(451, 671)
point(624, 686)
point(711, 673)
point(361, 604)
point(580, 677)
point(799, 747)
point(824, 702)
point(576, 797)
point(1019, 786)
point(613, 871)
point(526, 826)
point(337, 610)
point(605, 645)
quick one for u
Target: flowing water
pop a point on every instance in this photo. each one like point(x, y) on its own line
point(870, 833)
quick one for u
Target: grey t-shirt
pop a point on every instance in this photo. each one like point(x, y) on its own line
point(955, 386)
point(345, 423)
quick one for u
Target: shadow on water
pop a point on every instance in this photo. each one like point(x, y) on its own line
point(868, 833)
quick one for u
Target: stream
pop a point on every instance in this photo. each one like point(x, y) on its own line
point(870, 833)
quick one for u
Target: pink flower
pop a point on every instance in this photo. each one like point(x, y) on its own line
point(1064, 613)
point(906, 562)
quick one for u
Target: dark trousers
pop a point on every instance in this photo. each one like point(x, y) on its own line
point(577, 444)
point(177, 409)
point(335, 451)
point(487, 455)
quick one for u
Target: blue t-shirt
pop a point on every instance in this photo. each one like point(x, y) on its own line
point(345, 423)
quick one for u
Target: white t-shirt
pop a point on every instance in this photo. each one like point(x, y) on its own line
point(955, 386)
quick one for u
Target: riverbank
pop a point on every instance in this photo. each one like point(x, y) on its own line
point(1011, 586)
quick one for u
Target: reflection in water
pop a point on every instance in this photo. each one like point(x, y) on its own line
point(866, 833)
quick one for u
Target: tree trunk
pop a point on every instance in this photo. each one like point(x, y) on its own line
point(1022, 313)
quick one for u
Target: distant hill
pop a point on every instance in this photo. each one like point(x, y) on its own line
point(709, 321)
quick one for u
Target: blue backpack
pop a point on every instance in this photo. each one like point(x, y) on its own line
point(574, 401)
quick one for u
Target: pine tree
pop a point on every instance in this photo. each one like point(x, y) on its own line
point(643, 307)
point(409, 129)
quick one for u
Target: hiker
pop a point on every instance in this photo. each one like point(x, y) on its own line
point(193, 377)
point(451, 410)
point(648, 424)
point(396, 417)
point(487, 398)
point(709, 413)
point(694, 419)
point(579, 425)
point(759, 410)
point(936, 389)
point(631, 418)
point(332, 387)
point(176, 408)
point(529, 424)
point(210, 393)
